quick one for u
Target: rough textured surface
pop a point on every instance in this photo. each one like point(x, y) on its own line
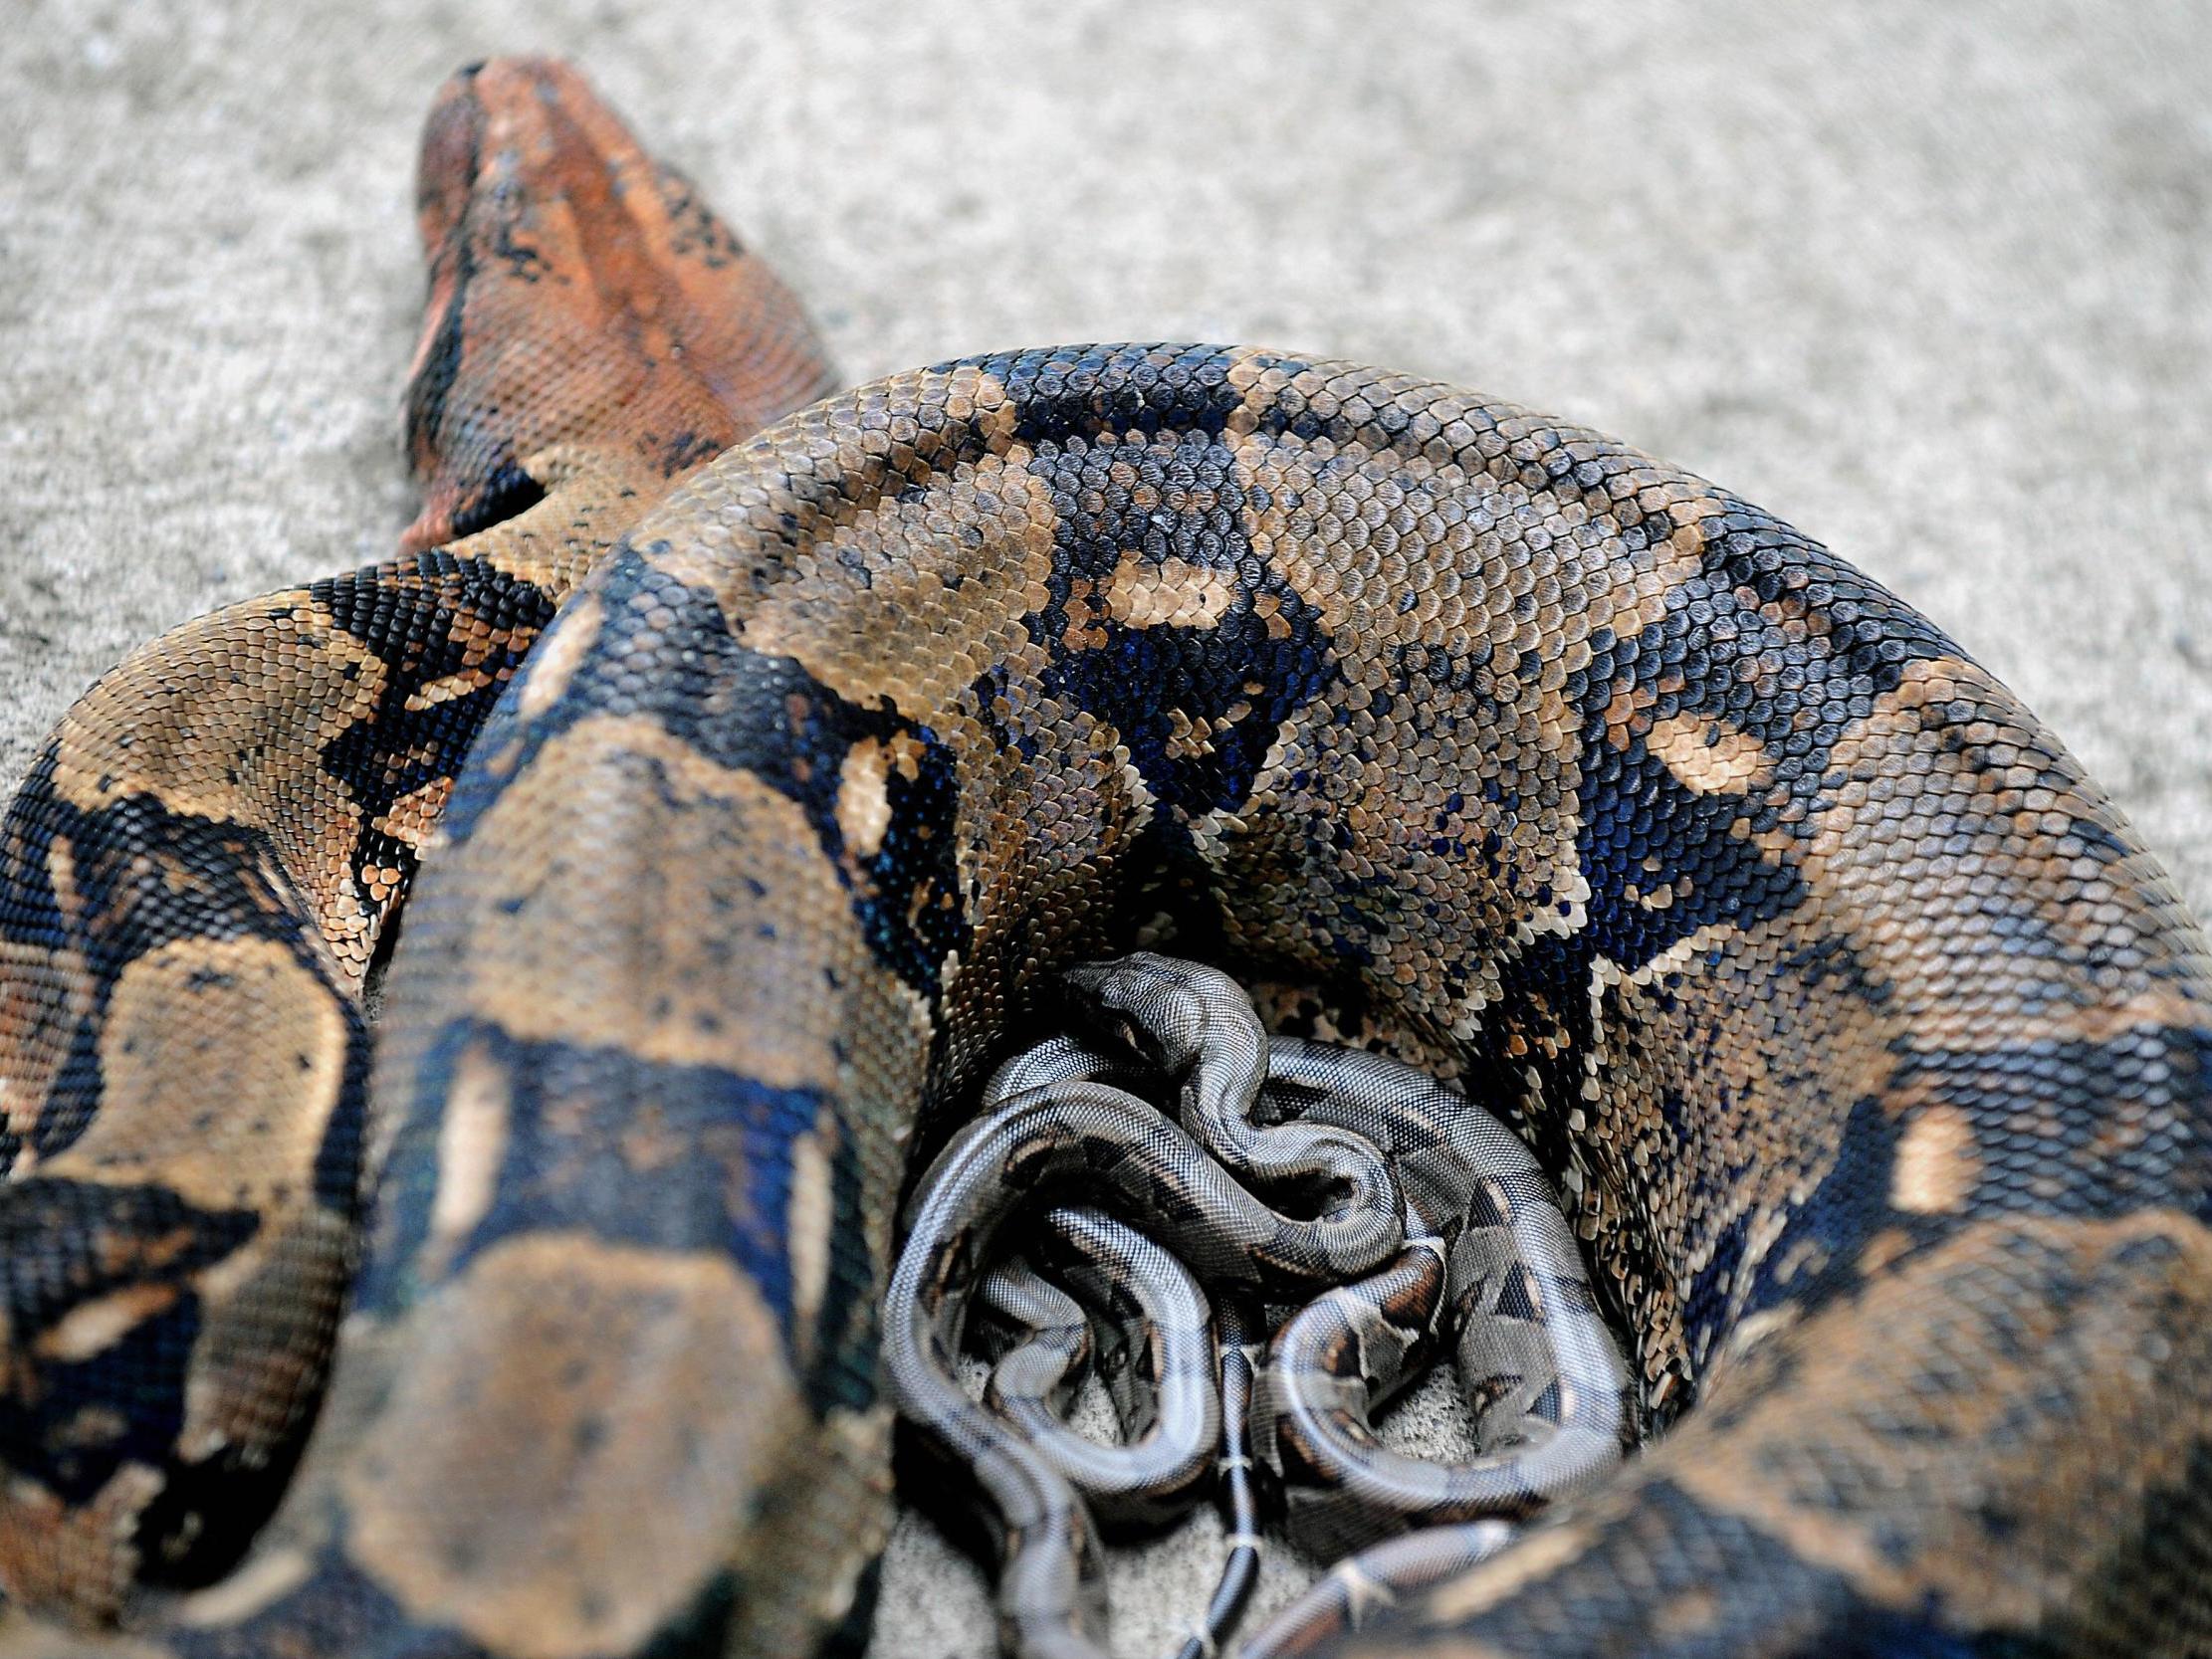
point(1933, 289)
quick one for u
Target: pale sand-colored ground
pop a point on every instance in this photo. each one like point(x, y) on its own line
point(1932, 283)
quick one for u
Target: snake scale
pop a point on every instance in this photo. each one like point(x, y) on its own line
point(1870, 1050)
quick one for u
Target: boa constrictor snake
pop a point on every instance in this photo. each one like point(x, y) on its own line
point(1452, 1237)
point(1870, 1050)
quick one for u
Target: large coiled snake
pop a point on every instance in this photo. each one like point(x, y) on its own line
point(1869, 1049)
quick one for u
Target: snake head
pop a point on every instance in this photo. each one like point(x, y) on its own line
point(583, 300)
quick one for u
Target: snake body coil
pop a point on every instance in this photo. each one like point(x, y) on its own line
point(1487, 1263)
point(1872, 1051)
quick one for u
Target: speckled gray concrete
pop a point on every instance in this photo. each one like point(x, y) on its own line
point(1932, 283)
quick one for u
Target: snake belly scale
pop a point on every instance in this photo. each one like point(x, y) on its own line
point(1869, 1048)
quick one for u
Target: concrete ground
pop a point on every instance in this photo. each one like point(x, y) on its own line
point(1932, 283)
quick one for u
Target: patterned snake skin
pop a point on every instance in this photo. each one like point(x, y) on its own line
point(1870, 1051)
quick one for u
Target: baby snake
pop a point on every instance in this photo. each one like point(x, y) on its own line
point(1485, 1260)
